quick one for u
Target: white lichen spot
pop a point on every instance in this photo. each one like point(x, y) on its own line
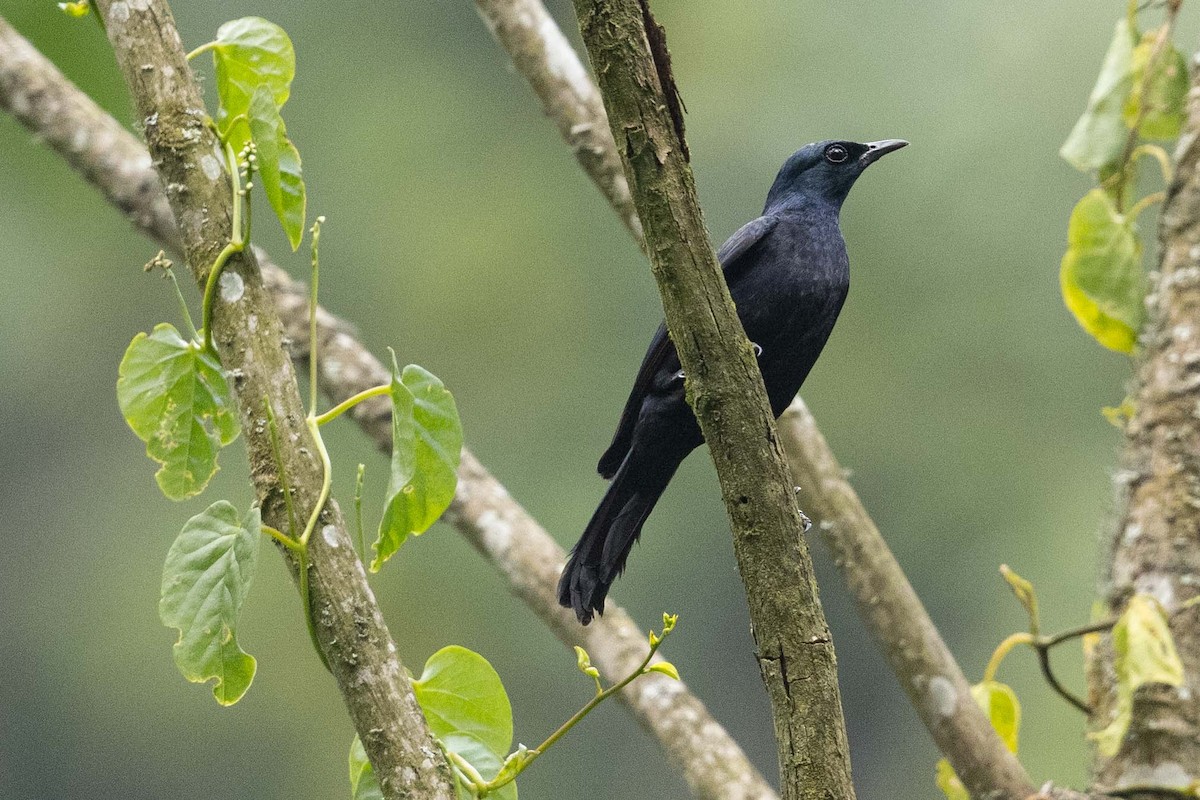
point(79, 139)
point(943, 699)
point(168, 71)
point(562, 61)
point(1164, 775)
point(252, 323)
point(329, 534)
point(497, 532)
point(210, 166)
point(151, 120)
point(118, 12)
point(1132, 531)
point(139, 5)
point(232, 287)
point(1157, 586)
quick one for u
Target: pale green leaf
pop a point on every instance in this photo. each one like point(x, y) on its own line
point(363, 783)
point(1100, 134)
point(1101, 276)
point(666, 668)
point(1003, 710)
point(278, 165)
point(426, 447)
point(1143, 654)
point(205, 579)
point(1025, 593)
point(248, 53)
point(77, 9)
point(486, 761)
point(461, 693)
point(1166, 94)
point(176, 399)
point(949, 783)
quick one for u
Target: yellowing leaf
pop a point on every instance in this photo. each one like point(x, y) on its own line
point(1003, 710)
point(1166, 94)
point(1100, 134)
point(1101, 275)
point(1144, 653)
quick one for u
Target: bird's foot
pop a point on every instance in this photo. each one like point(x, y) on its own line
point(758, 351)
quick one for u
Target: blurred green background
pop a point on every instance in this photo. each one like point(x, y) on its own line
point(956, 387)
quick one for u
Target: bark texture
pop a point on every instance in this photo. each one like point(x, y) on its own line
point(1155, 544)
point(351, 630)
point(95, 144)
point(794, 649)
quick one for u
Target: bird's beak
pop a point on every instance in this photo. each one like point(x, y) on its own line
point(877, 150)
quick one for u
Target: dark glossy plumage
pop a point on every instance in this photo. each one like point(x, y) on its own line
point(788, 274)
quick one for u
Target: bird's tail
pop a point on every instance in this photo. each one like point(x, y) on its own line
point(599, 556)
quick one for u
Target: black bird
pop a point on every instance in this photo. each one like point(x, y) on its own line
point(788, 274)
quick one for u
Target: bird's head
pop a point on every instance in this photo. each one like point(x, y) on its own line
point(825, 171)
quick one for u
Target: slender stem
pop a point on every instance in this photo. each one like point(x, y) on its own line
point(477, 781)
point(236, 245)
point(273, 430)
point(326, 477)
point(312, 317)
point(204, 48)
point(1006, 647)
point(1144, 203)
point(1159, 155)
point(1043, 654)
point(281, 537)
point(183, 307)
point(358, 526)
point(305, 597)
point(351, 402)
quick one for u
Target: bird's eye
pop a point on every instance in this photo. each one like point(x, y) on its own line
point(836, 154)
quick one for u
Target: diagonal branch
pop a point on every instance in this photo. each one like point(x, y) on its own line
point(794, 648)
point(95, 144)
point(907, 633)
point(349, 627)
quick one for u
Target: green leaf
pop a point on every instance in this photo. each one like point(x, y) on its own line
point(78, 9)
point(175, 398)
point(363, 784)
point(1166, 93)
point(205, 579)
point(485, 761)
point(278, 165)
point(1025, 593)
point(426, 447)
point(461, 693)
point(666, 668)
point(1003, 710)
point(1100, 134)
point(949, 783)
point(248, 53)
point(1144, 653)
point(1101, 275)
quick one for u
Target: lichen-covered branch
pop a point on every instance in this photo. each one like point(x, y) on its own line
point(69, 122)
point(350, 628)
point(1155, 545)
point(542, 54)
point(896, 617)
point(794, 648)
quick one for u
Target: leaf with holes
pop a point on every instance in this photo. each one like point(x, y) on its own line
point(426, 447)
point(248, 53)
point(205, 579)
point(176, 399)
point(1101, 274)
point(1100, 134)
point(1144, 653)
point(278, 165)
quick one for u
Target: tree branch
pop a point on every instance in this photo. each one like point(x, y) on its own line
point(965, 736)
point(896, 618)
point(1155, 543)
point(95, 144)
point(542, 54)
point(349, 626)
point(794, 648)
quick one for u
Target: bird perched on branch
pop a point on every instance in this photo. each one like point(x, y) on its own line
point(788, 274)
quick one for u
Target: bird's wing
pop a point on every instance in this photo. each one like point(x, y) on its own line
point(662, 349)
